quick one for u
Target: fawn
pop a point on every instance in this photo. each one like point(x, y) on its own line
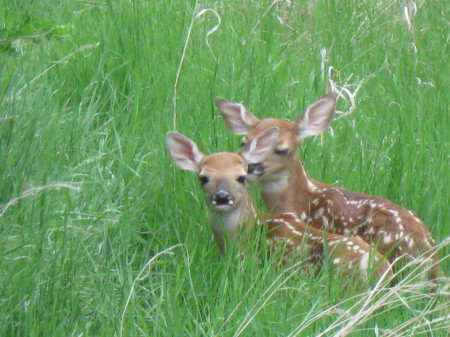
point(224, 178)
point(286, 187)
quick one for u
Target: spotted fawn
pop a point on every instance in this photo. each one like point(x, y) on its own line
point(286, 187)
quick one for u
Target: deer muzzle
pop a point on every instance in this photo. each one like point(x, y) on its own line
point(222, 198)
point(255, 170)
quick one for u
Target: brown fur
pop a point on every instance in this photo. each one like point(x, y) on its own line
point(286, 187)
point(223, 173)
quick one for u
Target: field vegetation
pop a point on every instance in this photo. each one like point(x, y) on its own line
point(100, 235)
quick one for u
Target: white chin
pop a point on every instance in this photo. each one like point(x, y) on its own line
point(222, 208)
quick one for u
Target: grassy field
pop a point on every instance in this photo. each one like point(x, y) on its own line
point(100, 235)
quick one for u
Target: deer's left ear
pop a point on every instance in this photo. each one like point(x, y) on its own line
point(183, 152)
point(237, 117)
point(317, 117)
point(260, 147)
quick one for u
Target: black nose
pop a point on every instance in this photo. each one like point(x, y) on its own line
point(256, 169)
point(222, 198)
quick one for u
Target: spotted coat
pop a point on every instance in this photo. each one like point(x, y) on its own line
point(352, 254)
point(286, 187)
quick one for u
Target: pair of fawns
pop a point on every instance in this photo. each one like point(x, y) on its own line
point(361, 233)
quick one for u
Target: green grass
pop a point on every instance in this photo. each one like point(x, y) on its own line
point(101, 236)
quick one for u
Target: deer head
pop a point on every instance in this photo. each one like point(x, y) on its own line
point(223, 177)
point(313, 121)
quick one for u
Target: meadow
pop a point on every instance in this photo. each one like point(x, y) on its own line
point(100, 235)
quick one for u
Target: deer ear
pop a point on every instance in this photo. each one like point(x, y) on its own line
point(237, 118)
point(317, 117)
point(183, 152)
point(260, 147)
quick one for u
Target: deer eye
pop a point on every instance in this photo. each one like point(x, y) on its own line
point(282, 152)
point(242, 179)
point(203, 180)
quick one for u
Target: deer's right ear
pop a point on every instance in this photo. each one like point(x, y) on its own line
point(183, 152)
point(237, 118)
point(261, 146)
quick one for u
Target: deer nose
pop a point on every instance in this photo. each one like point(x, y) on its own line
point(222, 198)
point(256, 169)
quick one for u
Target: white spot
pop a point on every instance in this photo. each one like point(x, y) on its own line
point(364, 262)
point(290, 243)
point(394, 213)
point(317, 238)
point(303, 216)
point(326, 224)
point(276, 220)
point(293, 230)
point(293, 216)
point(417, 219)
point(387, 239)
point(398, 236)
point(339, 191)
point(337, 260)
point(356, 248)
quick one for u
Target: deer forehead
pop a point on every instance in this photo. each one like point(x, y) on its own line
point(286, 135)
point(223, 164)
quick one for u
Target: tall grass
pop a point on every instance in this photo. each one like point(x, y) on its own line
point(102, 236)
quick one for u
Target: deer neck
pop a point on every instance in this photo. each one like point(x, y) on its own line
point(243, 215)
point(290, 190)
